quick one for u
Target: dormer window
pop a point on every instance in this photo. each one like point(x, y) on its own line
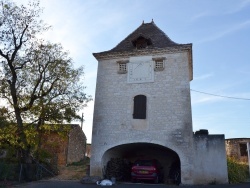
point(159, 63)
point(141, 42)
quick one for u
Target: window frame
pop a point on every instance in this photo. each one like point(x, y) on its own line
point(243, 149)
point(122, 66)
point(159, 60)
point(140, 107)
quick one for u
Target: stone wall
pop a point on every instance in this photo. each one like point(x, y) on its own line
point(56, 145)
point(168, 122)
point(76, 145)
point(210, 159)
point(68, 148)
point(233, 148)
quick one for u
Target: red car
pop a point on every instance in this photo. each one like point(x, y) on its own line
point(146, 170)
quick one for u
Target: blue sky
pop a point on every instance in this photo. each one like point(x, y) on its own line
point(218, 29)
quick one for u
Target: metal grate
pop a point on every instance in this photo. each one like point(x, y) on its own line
point(159, 65)
point(122, 68)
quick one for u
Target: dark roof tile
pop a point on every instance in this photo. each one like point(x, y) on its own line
point(149, 31)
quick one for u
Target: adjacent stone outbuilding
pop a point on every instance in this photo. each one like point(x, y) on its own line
point(210, 159)
point(67, 145)
point(237, 148)
point(143, 109)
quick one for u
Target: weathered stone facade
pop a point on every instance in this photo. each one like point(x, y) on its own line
point(67, 149)
point(210, 159)
point(166, 133)
point(76, 145)
point(57, 146)
point(237, 148)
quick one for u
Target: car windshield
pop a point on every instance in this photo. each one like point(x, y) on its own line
point(144, 163)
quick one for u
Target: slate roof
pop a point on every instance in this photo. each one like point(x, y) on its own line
point(147, 30)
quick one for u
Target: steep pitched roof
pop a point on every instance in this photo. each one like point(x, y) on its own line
point(146, 39)
point(150, 31)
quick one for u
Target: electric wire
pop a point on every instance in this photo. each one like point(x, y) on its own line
point(238, 98)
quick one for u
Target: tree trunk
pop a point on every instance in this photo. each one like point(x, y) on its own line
point(39, 144)
point(19, 120)
point(22, 137)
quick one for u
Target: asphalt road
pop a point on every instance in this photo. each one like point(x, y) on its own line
point(77, 184)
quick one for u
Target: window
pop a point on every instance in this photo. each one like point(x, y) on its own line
point(122, 66)
point(159, 63)
point(243, 150)
point(141, 42)
point(140, 103)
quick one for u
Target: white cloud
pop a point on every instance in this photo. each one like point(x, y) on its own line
point(200, 15)
point(204, 76)
point(227, 31)
point(203, 98)
point(240, 5)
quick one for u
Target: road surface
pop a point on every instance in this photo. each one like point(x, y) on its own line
point(77, 184)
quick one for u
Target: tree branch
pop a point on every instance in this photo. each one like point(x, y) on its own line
point(17, 47)
point(21, 66)
point(3, 55)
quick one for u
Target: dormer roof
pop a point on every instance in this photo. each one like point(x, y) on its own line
point(149, 31)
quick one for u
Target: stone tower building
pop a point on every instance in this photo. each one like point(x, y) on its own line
point(143, 107)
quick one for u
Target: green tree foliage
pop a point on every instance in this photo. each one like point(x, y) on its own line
point(38, 81)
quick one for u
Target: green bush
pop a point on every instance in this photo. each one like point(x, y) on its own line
point(237, 172)
point(44, 154)
point(8, 171)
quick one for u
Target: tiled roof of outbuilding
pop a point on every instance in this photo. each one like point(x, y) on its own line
point(147, 30)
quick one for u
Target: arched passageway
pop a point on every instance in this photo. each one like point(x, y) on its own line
point(168, 158)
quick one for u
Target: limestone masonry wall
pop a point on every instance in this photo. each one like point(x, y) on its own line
point(68, 148)
point(56, 145)
point(237, 148)
point(210, 159)
point(168, 122)
point(76, 145)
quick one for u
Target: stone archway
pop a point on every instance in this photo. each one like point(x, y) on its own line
point(168, 158)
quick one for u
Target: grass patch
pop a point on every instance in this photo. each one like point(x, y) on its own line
point(83, 162)
point(237, 172)
point(74, 171)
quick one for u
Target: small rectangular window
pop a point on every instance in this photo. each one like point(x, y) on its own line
point(159, 63)
point(243, 150)
point(140, 103)
point(122, 67)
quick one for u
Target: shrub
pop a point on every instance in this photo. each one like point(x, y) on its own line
point(8, 171)
point(237, 172)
